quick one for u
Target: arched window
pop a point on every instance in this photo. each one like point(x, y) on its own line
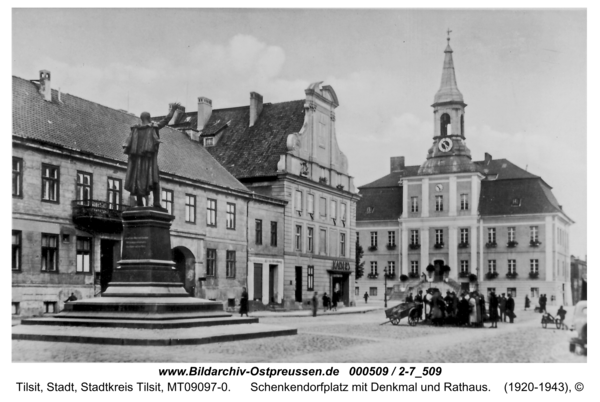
point(444, 124)
point(462, 125)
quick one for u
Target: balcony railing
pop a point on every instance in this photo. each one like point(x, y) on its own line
point(98, 216)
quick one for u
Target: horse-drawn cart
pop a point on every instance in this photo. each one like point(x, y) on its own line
point(412, 311)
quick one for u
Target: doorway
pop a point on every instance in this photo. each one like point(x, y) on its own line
point(185, 264)
point(258, 284)
point(272, 283)
point(299, 284)
point(340, 288)
point(438, 273)
point(110, 253)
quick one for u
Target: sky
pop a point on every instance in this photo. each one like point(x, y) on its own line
point(521, 72)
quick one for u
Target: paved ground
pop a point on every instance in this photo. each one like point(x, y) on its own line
point(341, 338)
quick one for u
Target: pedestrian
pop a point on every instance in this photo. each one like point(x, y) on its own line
point(244, 303)
point(562, 313)
point(542, 302)
point(409, 298)
point(366, 297)
point(473, 310)
point(334, 301)
point(526, 302)
point(493, 310)
point(463, 310)
point(315, 301)
point(437, 308)
point(419, 301)
point(510, 308)
point(71, 298)
point(326, 302)
point(503, 308)
point(481, 310)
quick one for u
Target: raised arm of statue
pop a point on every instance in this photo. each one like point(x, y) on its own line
point(165, 121)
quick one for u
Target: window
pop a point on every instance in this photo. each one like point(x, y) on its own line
point(273, 234)
point(298, 201)
point(439, 203)
point(491, 235)
point(391, 268)
point(392, 238)
point(16, 308)
point(84, 247)
point(190, 208)
point(16, 250)
point(230, 218)
point(50, 307)
point(49, 252)
point(373, 239)
point(342, 244)
point(512, 292)
point(343, 213)
point(333, 209)
point(310, 236)
point(298, 238)
point(373, 267)
point(83, 190)
point(511, 233)
point(323, 207)
point(464, 202)
point(211, 212)
point(211, 262)
point(512, 266)
point(464, 265)
point(533, 233)
point(464, 236)
point(370, 210)
point(323, 242)
point(491, 266)
point(114, 193)
point(230, 264)
point(356, 292)
point(535, 293)
point(439, 236)
point(310, 283)
point(50, 183)
point(516, 202)
point(209, 141)
point(534, 266)
point(258, 230)
point(167, 200)
point(414, 237)
point(310, 204)
point(373, 291)
point(414, 204)
point(17, 177)
point(414, 267)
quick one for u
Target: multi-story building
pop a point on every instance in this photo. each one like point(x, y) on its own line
point(68, 174)
point(578, 279)
point(289, 151)
point(489, 223)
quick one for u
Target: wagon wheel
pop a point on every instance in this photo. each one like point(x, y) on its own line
point(544, 323)
point(558, 323)
point(395, 320)
point(412, 321)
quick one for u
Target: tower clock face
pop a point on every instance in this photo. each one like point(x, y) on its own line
point(445, 145)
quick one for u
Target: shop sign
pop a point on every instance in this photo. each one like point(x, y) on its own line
point(341, 266)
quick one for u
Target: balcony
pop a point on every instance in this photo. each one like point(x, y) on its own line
point(98, 216)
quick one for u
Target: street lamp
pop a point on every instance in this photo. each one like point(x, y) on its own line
point(385, 272)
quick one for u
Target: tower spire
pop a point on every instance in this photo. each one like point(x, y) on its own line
point(448, 91)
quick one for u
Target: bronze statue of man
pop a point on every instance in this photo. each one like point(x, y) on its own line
point(142, 167)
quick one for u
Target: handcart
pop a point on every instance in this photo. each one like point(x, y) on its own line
point(547, 318)
point(412, 311)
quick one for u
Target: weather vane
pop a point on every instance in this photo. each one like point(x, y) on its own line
point(449, 35)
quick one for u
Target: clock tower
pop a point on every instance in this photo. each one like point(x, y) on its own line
point(449, 152)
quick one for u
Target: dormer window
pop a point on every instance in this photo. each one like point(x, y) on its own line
point(516, 202)
point(209, 141)
point(370, 210)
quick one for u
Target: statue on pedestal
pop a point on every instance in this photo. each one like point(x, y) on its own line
point(142, 167)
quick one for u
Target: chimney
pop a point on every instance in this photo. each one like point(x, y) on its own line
point(487, 159)
point(396, 164)
point(204, 112)
point(256, 106)
point(177, 115)
point(45, 85)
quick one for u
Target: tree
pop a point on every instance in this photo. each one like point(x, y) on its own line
point(360, 266)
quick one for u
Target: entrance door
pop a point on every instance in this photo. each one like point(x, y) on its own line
point(439, 271)
point(185, 266)
point(272, 282)
point(340, 288)
point(465, 287)
point(299, 284)
point(258, 278)
point(110, 251)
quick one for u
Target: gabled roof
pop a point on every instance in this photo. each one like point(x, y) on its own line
point(532, 195)
point(249, 152)
point(88, 127)
point(379, 204)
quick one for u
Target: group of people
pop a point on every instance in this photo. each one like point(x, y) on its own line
point(467, 310)
point(330, 303)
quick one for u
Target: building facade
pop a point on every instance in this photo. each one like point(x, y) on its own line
point(68, 175)
point(463, 224)
point(289, 151)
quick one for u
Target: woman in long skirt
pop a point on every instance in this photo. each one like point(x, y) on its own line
point(244, 303)
point(493, 310)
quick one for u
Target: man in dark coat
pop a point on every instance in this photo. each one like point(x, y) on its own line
point(502, 308)
point(510, 308)
point(74, 298)
point(315, 302)
point(419, 301)
point(366, 296)
point(409, 298)
point(527, 302)
point(142, 148)
point(244, 303)
point(493, 310)
point(482, 308)
point(463, 310)
point(326, 302)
